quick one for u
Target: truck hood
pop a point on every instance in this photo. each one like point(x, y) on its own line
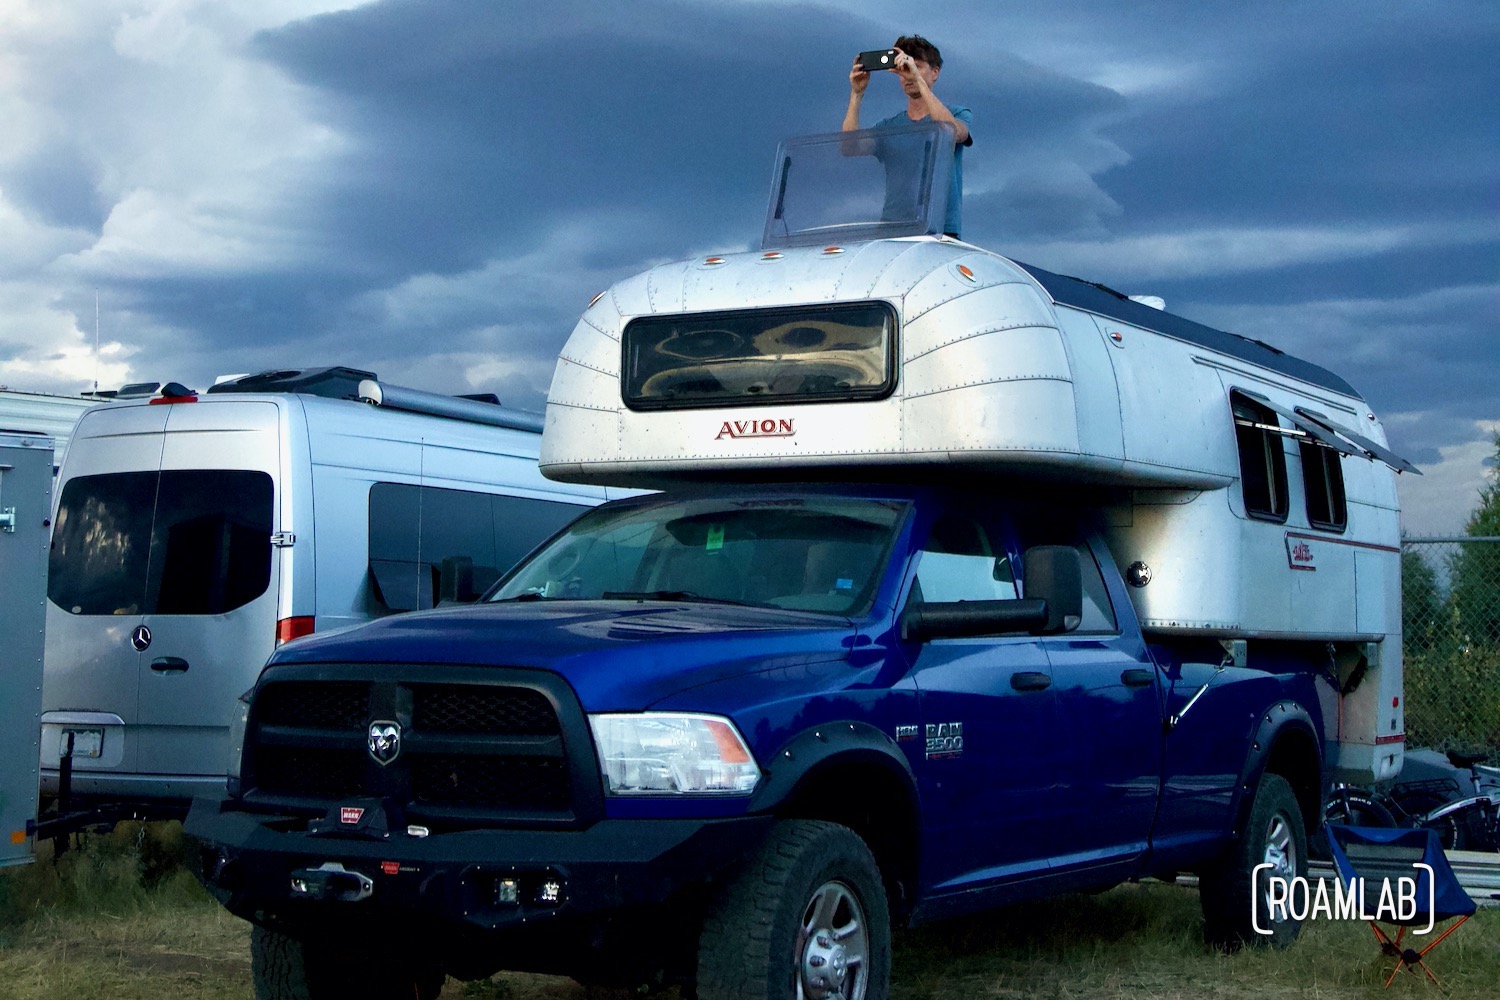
point(617, 655)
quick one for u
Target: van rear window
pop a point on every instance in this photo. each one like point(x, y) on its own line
point(806, 354)
point(182, 542)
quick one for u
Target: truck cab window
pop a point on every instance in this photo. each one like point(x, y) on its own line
point(960, 563)
point(1262, 460)
point(1323, 487)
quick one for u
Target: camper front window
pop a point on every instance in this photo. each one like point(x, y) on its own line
point(801, 354)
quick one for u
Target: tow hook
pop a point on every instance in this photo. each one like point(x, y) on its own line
point(331, 882)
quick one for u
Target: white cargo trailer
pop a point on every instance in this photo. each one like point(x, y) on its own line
point(1249, 495)
point(25, 506)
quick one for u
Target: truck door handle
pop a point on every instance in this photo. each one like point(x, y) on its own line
point(1135, 677)
point(1030, 680)
point(169, 664)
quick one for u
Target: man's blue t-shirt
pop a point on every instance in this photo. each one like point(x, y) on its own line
point(954, 214)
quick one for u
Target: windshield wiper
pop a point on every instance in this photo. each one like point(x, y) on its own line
point(686, 596)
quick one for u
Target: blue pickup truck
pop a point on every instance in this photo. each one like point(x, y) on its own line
point(731, 736)
point(970, 583)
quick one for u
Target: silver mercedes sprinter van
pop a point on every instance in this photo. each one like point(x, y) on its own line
point(195, 532)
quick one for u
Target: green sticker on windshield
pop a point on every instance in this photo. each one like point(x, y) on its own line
point(715, 540)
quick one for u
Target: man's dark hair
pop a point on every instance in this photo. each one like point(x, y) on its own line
point(920, 48)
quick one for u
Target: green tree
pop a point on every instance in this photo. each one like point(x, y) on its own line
point(1424, 611)
point(1476, 566)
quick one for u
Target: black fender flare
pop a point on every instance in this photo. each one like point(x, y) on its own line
point(1277, 720)
point(842, 742)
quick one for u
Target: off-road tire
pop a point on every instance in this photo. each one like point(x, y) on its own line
point(288, 968)
point(1273, 832)
point(755, 943)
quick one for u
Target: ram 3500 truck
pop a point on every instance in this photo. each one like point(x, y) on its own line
point(970, 583)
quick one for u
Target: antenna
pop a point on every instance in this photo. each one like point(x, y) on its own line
point(96, 343)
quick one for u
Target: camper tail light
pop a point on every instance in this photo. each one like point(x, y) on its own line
point(667, 753)
point(295, 627)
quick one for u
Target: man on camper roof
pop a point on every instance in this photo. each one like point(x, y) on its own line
point(918, 63)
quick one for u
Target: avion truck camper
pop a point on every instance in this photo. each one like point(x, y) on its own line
point(970, 583)
point(196, 532)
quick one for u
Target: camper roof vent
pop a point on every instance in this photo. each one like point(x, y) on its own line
point(1154, 301)
point(334, 382)
point(137, 389)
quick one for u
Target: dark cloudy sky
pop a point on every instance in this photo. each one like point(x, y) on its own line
point(433, 189)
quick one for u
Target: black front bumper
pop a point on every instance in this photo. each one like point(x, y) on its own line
point(273, 869)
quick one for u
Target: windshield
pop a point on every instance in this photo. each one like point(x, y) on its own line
point(807, 554)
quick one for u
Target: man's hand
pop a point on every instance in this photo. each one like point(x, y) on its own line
point(906, 68)
point(859, 78)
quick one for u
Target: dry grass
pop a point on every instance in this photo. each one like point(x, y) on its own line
point(85, 928)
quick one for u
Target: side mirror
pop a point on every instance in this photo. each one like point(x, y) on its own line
point(1054, 574)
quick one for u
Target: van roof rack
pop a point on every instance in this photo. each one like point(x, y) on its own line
point(340, 382)
point(334, 382)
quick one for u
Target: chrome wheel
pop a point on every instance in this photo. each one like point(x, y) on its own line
point(834, 945)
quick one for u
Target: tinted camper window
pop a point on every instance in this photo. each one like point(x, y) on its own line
point(416, 530)
point(751, 356)
point(1262, 460)
point(194, 542)
point(1323, 486)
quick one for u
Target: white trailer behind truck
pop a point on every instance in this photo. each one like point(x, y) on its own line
point(25, 506)
point(1249, 495)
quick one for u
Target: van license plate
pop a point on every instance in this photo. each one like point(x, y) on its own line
point(86, 742)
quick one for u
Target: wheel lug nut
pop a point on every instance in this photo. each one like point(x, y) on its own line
point(823, 941)
point(816, 961)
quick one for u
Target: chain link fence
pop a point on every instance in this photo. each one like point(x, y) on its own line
point(1450, 591)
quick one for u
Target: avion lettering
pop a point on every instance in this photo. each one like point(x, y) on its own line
point(756, 428)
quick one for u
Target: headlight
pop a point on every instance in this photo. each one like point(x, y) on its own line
point(237, 724)
point(650, 753)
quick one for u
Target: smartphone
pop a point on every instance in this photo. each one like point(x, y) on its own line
point(878, 59)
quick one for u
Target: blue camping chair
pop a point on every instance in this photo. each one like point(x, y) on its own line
point(1374, 854)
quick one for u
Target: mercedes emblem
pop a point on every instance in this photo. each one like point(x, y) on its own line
point(140, 638)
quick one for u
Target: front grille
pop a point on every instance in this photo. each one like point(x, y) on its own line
point(515, 783)
point(314, 705)
point(461, 709)
point(512, 748)
point(334, 774)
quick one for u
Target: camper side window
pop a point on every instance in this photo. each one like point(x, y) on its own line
point(1323, 486)
point(1262, 459)
point(429, 544)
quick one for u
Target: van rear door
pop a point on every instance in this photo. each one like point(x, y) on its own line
point(212, 619)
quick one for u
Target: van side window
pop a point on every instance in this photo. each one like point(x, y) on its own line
point(960, 563)
point(427, 542)
point(1262, 460)
point(1323, 487)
